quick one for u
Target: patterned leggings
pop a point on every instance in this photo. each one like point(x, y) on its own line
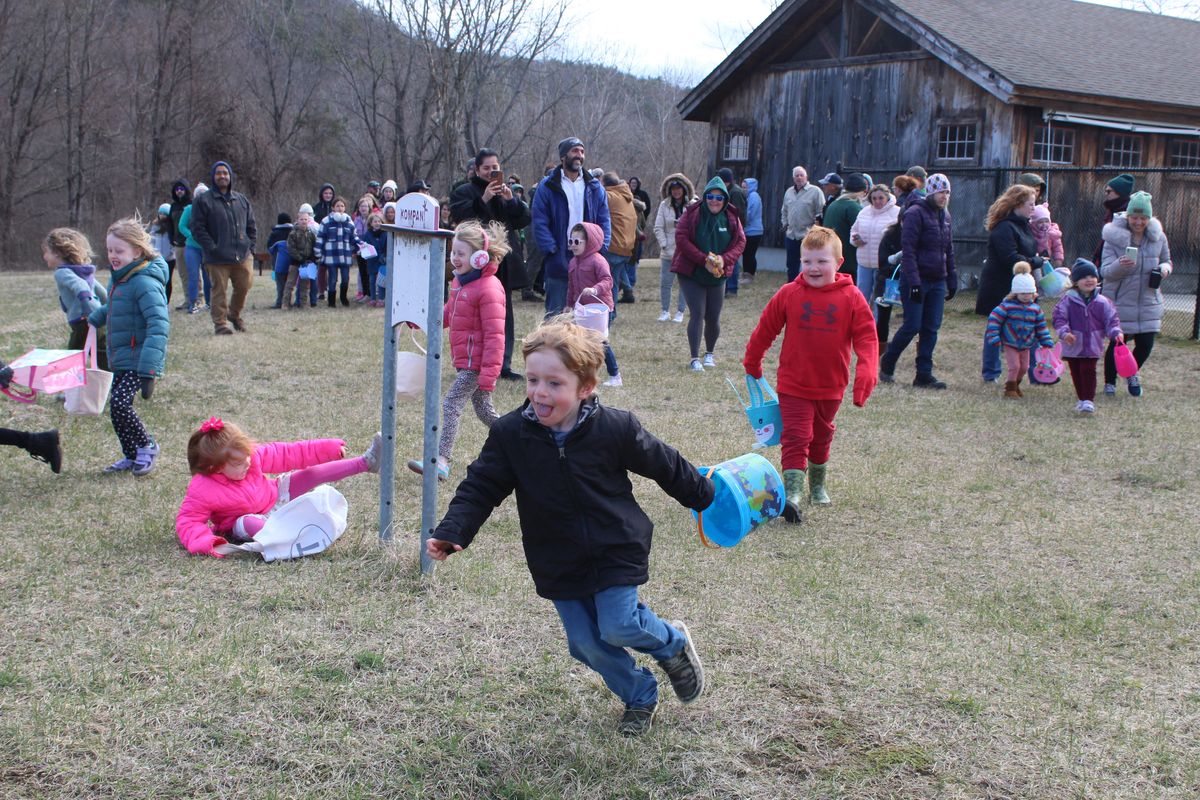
point(465, 385)
point(130, 430)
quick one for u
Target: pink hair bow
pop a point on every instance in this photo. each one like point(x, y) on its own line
point(211, 424)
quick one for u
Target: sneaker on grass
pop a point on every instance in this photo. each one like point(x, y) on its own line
point(636, 721)
point(146, 456)
point(664, 316)
point(696, 365)
point(678, 317)
point(1110, 390)
point(121, 465)
point(684, 668)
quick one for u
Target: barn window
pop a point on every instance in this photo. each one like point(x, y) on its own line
point(735, 144)
point(957, 142)
point(1122, 150)
point(1185, 153)
point(1054, 145)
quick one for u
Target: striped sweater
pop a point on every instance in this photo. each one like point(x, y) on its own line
point(1017, 324)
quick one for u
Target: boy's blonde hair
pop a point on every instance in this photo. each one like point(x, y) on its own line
point(818, 238)
point(130, 230)
point(70, 245)
point(471, 233)
point(208, 450)
point(581, 349)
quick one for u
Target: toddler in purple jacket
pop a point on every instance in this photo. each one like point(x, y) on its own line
point(1082, 319)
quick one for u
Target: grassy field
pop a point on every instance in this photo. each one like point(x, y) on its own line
point(1002, 602)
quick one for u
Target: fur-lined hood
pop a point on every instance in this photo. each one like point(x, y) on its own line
point(1118, 235)
point(689, 190)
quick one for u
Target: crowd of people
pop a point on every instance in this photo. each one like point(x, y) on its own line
point(855, 249)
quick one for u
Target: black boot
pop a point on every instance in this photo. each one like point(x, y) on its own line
point(45, 447)
point(333, 299)
point(345, 302)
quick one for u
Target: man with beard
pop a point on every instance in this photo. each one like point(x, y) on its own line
point(487, 198)
point(563, 199)
point(223, 225)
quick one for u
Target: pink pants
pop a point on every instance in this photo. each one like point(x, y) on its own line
point(303, 481)
point(1017, 361)
point(807, 430)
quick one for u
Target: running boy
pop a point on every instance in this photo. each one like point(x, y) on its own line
point(824, 316)
point(587, 542)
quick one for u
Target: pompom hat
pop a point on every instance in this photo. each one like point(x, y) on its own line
point(937, 182)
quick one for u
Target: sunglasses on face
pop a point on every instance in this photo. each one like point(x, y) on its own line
point(716, 196)
point(573, 242)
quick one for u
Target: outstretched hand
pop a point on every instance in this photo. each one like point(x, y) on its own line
point(440, 550)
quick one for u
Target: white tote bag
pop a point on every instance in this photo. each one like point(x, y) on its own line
point(304, 526)
point(410, 372)
point(89, 400)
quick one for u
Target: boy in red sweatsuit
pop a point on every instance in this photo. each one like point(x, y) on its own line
point(824, 315)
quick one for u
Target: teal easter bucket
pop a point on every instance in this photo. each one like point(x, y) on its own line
point(749, 492)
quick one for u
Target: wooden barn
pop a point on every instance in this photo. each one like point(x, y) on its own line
point(980, 91)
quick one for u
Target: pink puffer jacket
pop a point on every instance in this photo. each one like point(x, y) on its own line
point(213, 502)
point(475, 316)
point(590, 269)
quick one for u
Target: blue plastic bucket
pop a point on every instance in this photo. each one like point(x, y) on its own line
point(749, 492)
point(762, 411)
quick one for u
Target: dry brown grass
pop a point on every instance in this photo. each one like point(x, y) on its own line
point(1002, 601)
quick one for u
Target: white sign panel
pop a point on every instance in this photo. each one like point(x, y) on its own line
point(410, 279)
point(418, 211)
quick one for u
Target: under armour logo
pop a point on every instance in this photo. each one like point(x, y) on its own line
point(829, 313)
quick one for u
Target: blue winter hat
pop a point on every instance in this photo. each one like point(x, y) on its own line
point(165, 208)
point(1082, 268)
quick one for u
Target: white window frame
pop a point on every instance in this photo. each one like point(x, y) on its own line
point(1057, 145)
point(952, 138)
point(735, 144)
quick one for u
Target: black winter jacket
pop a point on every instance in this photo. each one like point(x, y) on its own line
point(223, 225)
point(1009, 242)
point(466, 202)
point(581, 527)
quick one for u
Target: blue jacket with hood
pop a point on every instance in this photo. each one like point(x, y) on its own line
point(754, 223)
point(136, 316)
point(550, 218)
point(223, 224)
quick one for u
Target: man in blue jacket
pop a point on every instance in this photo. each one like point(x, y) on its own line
point(563, 199)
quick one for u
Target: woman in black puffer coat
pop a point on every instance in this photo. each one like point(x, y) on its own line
point(1011, 240)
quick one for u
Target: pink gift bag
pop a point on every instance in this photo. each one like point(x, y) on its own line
point(1126, 364)
point(49, 371)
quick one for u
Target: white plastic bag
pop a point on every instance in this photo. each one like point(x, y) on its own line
point(304, 526)
point(410, 372)
point(90, 399)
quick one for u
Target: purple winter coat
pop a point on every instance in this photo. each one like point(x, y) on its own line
point(1090, 322)
point(927, 244)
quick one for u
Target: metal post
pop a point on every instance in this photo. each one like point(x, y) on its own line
point(387, 465)
point(433, 384)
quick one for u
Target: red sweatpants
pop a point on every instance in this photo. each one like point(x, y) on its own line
point(807, 430)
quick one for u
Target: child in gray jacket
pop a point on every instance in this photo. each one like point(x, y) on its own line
point(68, 253)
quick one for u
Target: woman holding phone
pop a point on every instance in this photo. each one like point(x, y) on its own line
point(1135, 260)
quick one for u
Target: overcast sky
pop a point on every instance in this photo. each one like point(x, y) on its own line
point(683, 40)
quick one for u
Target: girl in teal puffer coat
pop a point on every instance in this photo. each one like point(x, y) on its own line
point(138, 326)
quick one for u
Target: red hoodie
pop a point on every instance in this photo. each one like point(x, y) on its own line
point(822, 324)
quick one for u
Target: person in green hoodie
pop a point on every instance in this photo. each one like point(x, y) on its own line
point(709, 240)
point(138, 325)
point(841, 214)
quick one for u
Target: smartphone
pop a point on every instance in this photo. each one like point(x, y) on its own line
point(1131, 252)
point(497, 177)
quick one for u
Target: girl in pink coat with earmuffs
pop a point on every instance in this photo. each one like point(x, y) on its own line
point(475, 316)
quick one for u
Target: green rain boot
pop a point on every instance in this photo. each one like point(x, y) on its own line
point(816, 484)
point(793, 489)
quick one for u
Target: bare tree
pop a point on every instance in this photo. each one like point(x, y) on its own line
point(87, 22)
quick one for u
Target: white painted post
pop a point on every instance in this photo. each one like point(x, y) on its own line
point(416, 281)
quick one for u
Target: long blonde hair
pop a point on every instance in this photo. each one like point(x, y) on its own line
point(471, 233)
point(130, 230)
point(1013, 196)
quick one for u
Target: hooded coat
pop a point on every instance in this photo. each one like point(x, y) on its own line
point(136, 317)
point(927, 240)
point(336, 241)
point(550, 214)
point(177, 207)
point(475, 316)
point(1090, 321)
point(870, 226)
point(840, 216)
point(754, 220)
point(688, 257)
point(323, 207)
point(78, 293)
point(1139, 307)
point(623, 219)
point(590, 269)
point(666, 217)
point(223, 223)
point(466, 202)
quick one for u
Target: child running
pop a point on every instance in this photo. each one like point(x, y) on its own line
point(138, 325)
point(1082, 318)
point(588, 274)
point(475, 316)
point(1018, 324)
point(69, 254)
point(229, 497)
point(586, 540)
point(822, 315)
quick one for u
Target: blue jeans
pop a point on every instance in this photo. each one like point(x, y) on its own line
point(600, 627)
point(619, 267)
point(924, 318)
point(731, 283)
point(610, 360)
point(866, 281)
point(991, 361)
point(792, 247)
point(194, 257)
point(556, 295)
point(373, 289)
point(333, 271)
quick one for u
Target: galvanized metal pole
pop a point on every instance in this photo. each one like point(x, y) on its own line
point(433, 393)
point(387, 464)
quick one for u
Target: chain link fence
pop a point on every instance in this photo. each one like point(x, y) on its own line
point(1076, 196)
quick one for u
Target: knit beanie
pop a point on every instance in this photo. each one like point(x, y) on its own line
point(917, 172)
point(283, 218)
point(1122, 185)
point(305, 208)
point(1031, 179)
point(1082, 268)
point(937, 182)
point(1040, 212)
point(1022, 282)
point(165, 208)
point(566, 144)
point(1139, 203)
point(855, 182)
